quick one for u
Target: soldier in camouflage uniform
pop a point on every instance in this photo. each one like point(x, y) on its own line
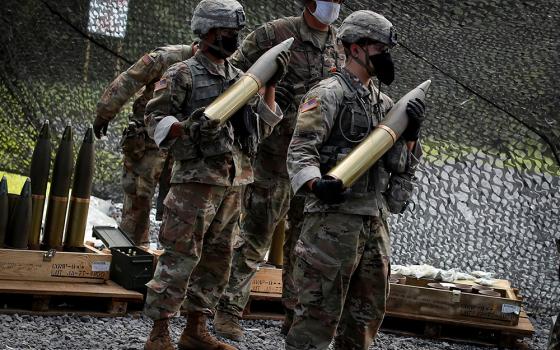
point(211, 164)
point(143, 161)
point(342, 263)
point(314, 54)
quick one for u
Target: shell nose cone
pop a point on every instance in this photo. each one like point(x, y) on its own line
point(45, 131)
point(88, 138)
point(26, 190)
point(288, 42)
point(3, 186)
point(425, 85)
point(67, 134)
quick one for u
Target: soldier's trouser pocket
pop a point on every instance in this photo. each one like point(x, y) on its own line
point(319, 282)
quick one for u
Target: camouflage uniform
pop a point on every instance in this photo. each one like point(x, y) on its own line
point(203, 204)
point(267, 200)
point(142, 160)
point(342, 255)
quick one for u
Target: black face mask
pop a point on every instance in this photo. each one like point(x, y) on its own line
point(384, 67)
point(224, 46)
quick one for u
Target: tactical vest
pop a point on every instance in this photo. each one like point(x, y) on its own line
point(308, 66)
point(206, 87)
point(355, 121)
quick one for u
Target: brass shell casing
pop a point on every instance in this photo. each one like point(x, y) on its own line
point(54, 223)
point(4, 210)
point(235, 97)
point(363, 157)
point(77, 221)
point(276, 252)
point(38, 206)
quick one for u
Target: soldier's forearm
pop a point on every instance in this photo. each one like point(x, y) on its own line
point(269, 96)
point(116, 95)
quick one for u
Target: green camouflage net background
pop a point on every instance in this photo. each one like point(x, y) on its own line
point(489, 187)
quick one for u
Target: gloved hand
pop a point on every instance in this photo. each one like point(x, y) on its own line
point(284, 96)
point(415, 111)
point(282, 61)
point(100, 126)
point(209, 125)
point(329, 190)
point(194, 47)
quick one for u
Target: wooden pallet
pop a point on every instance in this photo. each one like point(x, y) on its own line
point(56, 298)
point(461, 331)
point(268, 306)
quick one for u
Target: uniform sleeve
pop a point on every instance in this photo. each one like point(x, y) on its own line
point(165, 107)
point(253, 46)
point(269, 117)
point(164, 61)
point(315, 121)
point(127, 84)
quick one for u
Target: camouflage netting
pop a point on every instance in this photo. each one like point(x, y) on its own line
point(489, 187)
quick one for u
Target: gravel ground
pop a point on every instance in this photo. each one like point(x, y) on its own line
point(85, 332)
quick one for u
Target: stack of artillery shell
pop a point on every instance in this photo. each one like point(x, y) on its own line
point(20, 222)
point(39, 174)
point(4, 210)
point(81, 192)
point(58, 198)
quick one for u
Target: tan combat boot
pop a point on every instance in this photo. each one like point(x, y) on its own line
point(196, 336)
point(227, 326)
point(159, 338)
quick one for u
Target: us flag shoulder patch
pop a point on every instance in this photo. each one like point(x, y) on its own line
point(161, 84)
point(309, 105)
point(147, 59)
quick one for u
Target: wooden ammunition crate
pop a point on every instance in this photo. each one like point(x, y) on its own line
point(415, 298)
point(267, 280)
point(89, 266)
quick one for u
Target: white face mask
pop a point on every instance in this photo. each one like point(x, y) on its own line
point(326, 12)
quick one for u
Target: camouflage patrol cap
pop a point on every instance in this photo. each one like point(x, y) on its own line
point(210, 14)
point(366, 24)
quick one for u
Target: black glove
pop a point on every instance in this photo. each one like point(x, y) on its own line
point(209, 125)
point(284, 96)
point(204, 123)
point(282, 61)
point(329, 190)
point(209, 128)
point(415, 111)
point(100, 127)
